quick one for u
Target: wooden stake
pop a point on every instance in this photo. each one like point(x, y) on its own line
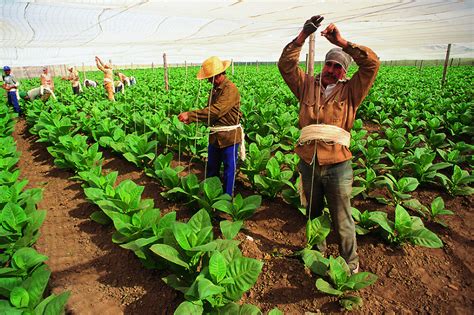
point(311, 55)
point(165, 65)
point(421, 64)
point(445, 70)
point(306, 63)
point(232, 64)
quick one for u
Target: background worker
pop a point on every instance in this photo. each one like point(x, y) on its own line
point(106, 68)
point(46, 79)
point(10, 84)
point(74, 78)
point(223, 117)
point(90, 83)
point(123, 78)
point(328, 105)
point(33, 94)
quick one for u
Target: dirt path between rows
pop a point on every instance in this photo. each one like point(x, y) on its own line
point(102, 277)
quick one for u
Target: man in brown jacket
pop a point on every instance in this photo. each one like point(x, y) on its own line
point(223, 117)
point(328, 105)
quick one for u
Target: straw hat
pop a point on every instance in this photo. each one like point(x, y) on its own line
point(211, 67)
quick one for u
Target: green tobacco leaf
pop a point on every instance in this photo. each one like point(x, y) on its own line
point(36, 284)
point(350, 302)
point(168, 253)
point(361, 280)
point(100, 217)
point(19, 297)
point(245, 272)
point(315, 261)
point(426, 238)
point(325, 287)
point(338, 270)
point(217, 267)
point(402, 220)
point(207, 289)
point(275, 311)
point(188, 308)
point(26, 258)
point(230, 229)
point(199, 221)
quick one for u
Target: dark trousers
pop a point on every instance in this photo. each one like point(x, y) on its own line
point(228, 156)
point(75, 90)
point(335, 183)
point(13, 100)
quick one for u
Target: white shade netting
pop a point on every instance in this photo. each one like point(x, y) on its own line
point(73, 32)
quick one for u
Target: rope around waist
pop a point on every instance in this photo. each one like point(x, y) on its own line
point(326, 133)
point(242, 152)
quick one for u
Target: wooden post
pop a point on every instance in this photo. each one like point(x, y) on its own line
point(451, 62)
point(306, 63)
point(311, 55)
point(165, 65)
point(415, 62)
point(232, 64)
point(421, 64)
point(445, 70)
point(459, 62)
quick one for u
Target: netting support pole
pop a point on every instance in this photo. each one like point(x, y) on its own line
point(311, 55)
point(84, 71)
point(445, 70)
point(232, 64)
point(421, 64)
point(165, 66)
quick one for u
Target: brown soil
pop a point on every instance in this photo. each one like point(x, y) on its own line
point(106, 279)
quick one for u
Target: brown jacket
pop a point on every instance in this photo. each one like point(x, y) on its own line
point(338, 108)
point(224, 110)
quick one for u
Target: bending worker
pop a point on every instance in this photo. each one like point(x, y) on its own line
point(73, 77)
point(108, 77)
point(43, 92)
point(223, 116)
point(10, 84)
point(328, 104)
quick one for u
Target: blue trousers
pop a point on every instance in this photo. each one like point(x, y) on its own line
point(13, 100)
point(228, 156)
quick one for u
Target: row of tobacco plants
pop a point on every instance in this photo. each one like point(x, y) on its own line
point(415, 137)
point(210, 271)
point(24, 275)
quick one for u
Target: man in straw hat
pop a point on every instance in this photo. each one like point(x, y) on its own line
point(223, 116)
point(328, 104)
point(74, 78)
point(106, 68)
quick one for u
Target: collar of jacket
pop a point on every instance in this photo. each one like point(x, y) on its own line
point(223, 83)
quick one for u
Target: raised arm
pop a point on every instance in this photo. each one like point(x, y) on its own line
point(364, 57)
point(289, 59)
point(99, 63)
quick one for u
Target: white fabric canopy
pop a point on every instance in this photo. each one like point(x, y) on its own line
point(125, 31)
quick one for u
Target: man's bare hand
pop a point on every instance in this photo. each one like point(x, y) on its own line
point(184, 117)
point(333, 35)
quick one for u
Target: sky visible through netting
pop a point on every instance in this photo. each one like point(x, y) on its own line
point(73, 32)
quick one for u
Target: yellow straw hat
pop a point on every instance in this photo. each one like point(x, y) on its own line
point(212, 66)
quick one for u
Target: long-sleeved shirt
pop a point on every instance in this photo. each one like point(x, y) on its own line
point(337, 108)
point(223, 110)
point(74, 78)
